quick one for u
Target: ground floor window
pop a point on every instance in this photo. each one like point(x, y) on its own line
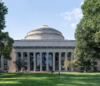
point(26, 67)
point(31, 63)
point(57, 61)
point(44, 62)
point(95, 68)
point(62, 64)
point(68, 68)
point(19, 68)
point(5, 64)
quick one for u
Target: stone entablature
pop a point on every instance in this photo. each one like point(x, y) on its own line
point(47, 47)
point(51, 43)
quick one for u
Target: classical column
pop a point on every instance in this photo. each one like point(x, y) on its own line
point(16, 57)
point(8, 65)
point(53, 61)
point(72, 60)
point(28, 61)
point(22, 55)
point(47, 60)
point(66, 60)
point(40, 61)
point(21, 59)
point(34, 61)
point(59, 61)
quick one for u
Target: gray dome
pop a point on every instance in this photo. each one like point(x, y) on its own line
point(44, 33)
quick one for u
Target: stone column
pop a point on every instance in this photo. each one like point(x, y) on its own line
point(59, 61)
point(34, 61)
point(21, 59)
point(40, 61)
point(72, 60)
point(47, 60)
point(53, 61)
point(16, 56)
point(66, 60)
point(28, 61)
point(22, 55)
point(8, 65)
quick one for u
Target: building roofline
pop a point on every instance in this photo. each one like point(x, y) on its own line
point(30, 40)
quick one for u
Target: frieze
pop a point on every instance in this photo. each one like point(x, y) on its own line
point(43, 47)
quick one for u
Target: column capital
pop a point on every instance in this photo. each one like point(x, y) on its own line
point(40, 52)
point(66, 52)
point(53, 52)
point(47, 53)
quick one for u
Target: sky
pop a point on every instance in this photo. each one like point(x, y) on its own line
point(26, 15)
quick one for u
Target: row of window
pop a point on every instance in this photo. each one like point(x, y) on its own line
point(5, 63)
point(31, 55)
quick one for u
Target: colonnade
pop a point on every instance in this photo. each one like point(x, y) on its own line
point(47, 59)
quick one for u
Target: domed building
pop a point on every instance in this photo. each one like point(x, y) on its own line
point(44, 33)
point(43, 49)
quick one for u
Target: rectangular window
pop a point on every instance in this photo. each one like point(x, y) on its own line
point(95, 63)
point(95, 68)
point(82, 68)
point(26, 61)
point(5, 64)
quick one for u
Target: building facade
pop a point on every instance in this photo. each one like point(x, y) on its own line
point(43, 49)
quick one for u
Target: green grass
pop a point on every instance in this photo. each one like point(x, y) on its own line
point(47, 79)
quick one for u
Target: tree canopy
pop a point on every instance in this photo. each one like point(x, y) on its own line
point(20, 63)
point(6, 42)
point(87, 34)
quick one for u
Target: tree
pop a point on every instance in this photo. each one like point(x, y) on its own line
point(6, 42)
point(20, 63)
point(68, 64)
point(87, 35)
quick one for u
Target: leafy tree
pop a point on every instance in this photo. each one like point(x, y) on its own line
point(87, 35)
point(20, 63)
point(68, 64)
point(6, 42)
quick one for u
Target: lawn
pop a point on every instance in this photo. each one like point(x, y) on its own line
point(48, 79)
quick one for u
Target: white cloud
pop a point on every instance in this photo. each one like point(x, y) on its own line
point(75, 14)
point(73, 25)
point(67, 18)
point(82, 3)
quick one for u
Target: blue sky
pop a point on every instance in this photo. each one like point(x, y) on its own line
point(25, 15)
